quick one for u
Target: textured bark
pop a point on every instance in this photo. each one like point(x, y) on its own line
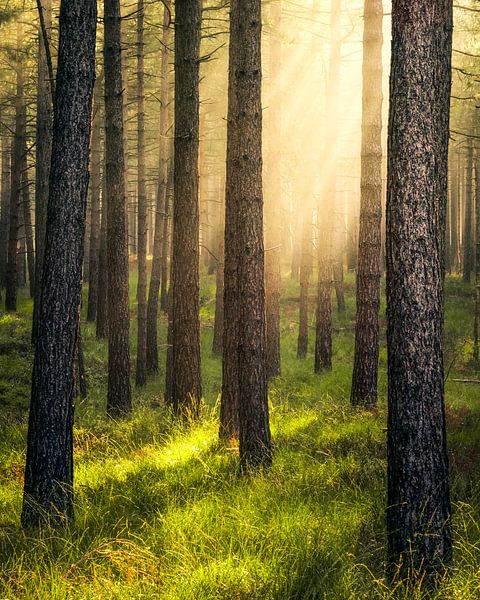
point(27, 221)
point(418, 508)
point(95, 188)
point(141, 371)
point(5, 209)
point(229, 406)
point(186, 377)
point(468, 252)
point(18, 144)
point(48, 492)
point(323, 337)
point(247, 215)
point(43, 150)
point(305, 274)
point(273, 204)
point(161, 201)
point(119, 388)
point(365, 368)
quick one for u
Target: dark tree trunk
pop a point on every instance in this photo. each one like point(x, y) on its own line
point(95, 187)
point(166, 245)
point(305, 274)
point(43, 153)
point(5, 209)
point(48, 492)
point(141, 371)
point(273, 211)
point(323, 337)
point(476, 325)
point(186, 377)
point(161, 201)
point(365, 369)
point(18, 144)
point(102, 298)
point(119, 389)
point(247, 217)
point(418, 513)
point(468, 252)
point(27, 221)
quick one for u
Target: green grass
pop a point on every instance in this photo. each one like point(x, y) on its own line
point(162, 512)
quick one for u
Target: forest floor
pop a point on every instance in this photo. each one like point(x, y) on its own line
point(163, 513)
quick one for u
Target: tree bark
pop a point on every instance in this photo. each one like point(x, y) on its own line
point(247, 216)
point(476, 325)
point(141, 371)
point(27, 221)
point(102, 297)
point(161, 201)
point(43, 151)
point(119, 389)
point(48, 492)
point(5, 210)
point(418, 506)
point(186, 376)
point(365, 368)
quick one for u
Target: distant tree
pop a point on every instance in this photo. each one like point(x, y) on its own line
point(27, 219)
point(48, 492)
point(119, 388)
point(365, 369)
point(305, 275)
point(418, 505)
point(16, 184)
point(161, 199)
point(244, 234)
point(468, 251)
point(184, 311)
point(273, 205)
point(5, 208)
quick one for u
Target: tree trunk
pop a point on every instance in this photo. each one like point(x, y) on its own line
point(247, 216)
point(18, 144)
point(273, 211)
point(476, 326)
point(48, 492)
point(161, 202)
point(27, 221)
point(305, 274)
point(95, 187)
point(323, 338)
point(186, 377)
point(418, 513)
point(454, 215)
point(5, 210)
point(166, 245)
point(218, 326)
point(119, 390)
point(43, 154)
point(102, 297)
point(365, 369)
point(468, 253)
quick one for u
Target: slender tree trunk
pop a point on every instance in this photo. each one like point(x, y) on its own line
point(454, 215)
point(166, 245)
point(273, 211)
point(18, 143)
point(468, 253)
point(476, 325)
point(5, 209)
point(218, 326)
point(247, 217)
point(161, 202)
point(95, 187)
point(305, 274)
point(418, 513)
point(43, 153)
point(48, 492)
point(119, 389)
point(141, 371)
point(102, 298)
point(365, 369)
point(186, 377)
point(27, 222)
point(323, 338)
